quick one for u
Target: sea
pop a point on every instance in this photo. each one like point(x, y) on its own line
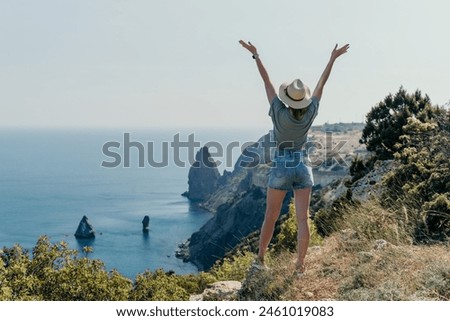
point(51, 178)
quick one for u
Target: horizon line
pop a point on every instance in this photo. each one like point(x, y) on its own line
point(140, 127)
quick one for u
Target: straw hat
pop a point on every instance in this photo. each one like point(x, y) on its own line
point(295, 94)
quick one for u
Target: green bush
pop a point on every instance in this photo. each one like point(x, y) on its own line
point(54, 272)
point(195, 283)
point(158, 286)
point(233, 268)
point(437, 216)
point(385, 121)
point(422, 173)
point(286, 239)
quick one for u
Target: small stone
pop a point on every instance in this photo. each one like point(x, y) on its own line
point(309, 295)
point(380, 244)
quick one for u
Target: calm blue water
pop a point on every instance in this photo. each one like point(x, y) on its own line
point(51, 178)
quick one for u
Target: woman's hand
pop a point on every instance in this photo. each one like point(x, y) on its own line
point(249, 47)
point(338, 52)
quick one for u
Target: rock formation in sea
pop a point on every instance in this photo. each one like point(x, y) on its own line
point(85, 229)
point(145, 224)
point(203, 176)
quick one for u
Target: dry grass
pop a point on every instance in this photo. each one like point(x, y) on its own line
point(370, 257)
point(348, 268)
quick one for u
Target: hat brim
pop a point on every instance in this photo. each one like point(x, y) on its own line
point(292, 103)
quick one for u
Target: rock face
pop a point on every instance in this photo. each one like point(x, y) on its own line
point(251, 168)
point(361, 190)
point(233, 221)
point(145, 224)
point(203, 176)
point(85, 229)
point(368, 186)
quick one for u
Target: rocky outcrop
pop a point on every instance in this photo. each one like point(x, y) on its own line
point(368, 186)
point(85, 229)
point(361, 190)
point(203, 176)
point(219, 291)
point(145, 224)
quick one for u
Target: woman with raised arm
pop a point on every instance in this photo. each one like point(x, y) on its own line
point(292, 111)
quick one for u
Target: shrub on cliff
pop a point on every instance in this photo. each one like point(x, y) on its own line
point(423, 172)
point(416, 134)
point(385, 121)
point(54, 272)
point(168, 286)
point(234, 267)
point(157, 286)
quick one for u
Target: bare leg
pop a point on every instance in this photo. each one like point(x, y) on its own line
point(302, 198)
point(274, 202)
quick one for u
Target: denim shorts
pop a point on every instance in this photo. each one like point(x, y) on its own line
point(289, 171)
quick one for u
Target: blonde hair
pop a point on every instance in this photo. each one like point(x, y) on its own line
point(297, 113)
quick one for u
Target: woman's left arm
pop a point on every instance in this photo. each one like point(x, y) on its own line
point(336, 53)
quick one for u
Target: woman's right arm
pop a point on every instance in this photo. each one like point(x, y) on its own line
point(270, 90)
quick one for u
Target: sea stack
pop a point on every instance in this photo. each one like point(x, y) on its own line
point(203, 176)
point(85, 229)
point(145, 224)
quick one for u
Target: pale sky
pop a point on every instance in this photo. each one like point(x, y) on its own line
point(144, 63)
